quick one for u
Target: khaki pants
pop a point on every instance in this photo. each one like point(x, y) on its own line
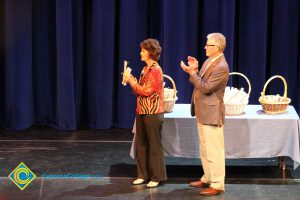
point(150, 155)
point(212, 154)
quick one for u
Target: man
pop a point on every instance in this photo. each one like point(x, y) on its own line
point(208, 106)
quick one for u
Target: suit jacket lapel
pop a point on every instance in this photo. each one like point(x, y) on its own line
point(210, 67)
point(204, 66)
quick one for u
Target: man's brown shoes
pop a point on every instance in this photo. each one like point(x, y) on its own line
point(198, 184)
point(210, 191)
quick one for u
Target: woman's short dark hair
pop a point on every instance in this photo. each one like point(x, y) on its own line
point(153, 47)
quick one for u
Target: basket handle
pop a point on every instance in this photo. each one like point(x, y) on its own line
point(173, 84)
point(270, 79)
point(245, 77)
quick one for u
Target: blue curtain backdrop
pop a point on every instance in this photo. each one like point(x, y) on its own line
point(61, 60)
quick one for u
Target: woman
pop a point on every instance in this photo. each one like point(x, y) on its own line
point(149, 116)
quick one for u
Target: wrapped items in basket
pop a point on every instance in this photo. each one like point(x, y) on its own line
point(274, 103)
point(170, 97)
point(236, 100)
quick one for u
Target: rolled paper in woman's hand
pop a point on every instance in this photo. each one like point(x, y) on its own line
point(126, 72)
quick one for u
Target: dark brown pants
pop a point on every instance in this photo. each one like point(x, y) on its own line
point(150, 154)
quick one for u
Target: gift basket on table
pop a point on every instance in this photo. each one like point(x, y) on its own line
point(274, 103)
point(235, 99)
point(170, 97)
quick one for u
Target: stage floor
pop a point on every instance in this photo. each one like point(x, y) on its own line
point(95, 164)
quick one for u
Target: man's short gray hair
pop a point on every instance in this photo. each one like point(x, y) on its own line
point(219, 40)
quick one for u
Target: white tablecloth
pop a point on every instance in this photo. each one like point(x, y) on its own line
point(254, 134)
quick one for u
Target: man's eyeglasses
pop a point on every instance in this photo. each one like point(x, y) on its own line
point(210, 45)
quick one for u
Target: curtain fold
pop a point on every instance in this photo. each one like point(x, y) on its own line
point(284, 51)
point(61, 61)
point(64, 83)
point(100, 63)
point(18, 105)
point(132, 29)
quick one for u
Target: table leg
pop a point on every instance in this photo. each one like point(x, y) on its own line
point(281, 164)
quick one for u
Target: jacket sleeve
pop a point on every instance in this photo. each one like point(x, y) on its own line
point(212, 83)
point(154, 81)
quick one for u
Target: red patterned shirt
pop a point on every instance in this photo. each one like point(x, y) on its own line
point(149, 91)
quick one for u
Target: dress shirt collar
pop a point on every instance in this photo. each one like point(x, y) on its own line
point(215, 58)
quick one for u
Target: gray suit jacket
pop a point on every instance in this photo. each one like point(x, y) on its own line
point(207, 99)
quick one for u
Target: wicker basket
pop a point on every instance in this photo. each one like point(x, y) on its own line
point(279, 104)
point(170, 102)
point(236, 109)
